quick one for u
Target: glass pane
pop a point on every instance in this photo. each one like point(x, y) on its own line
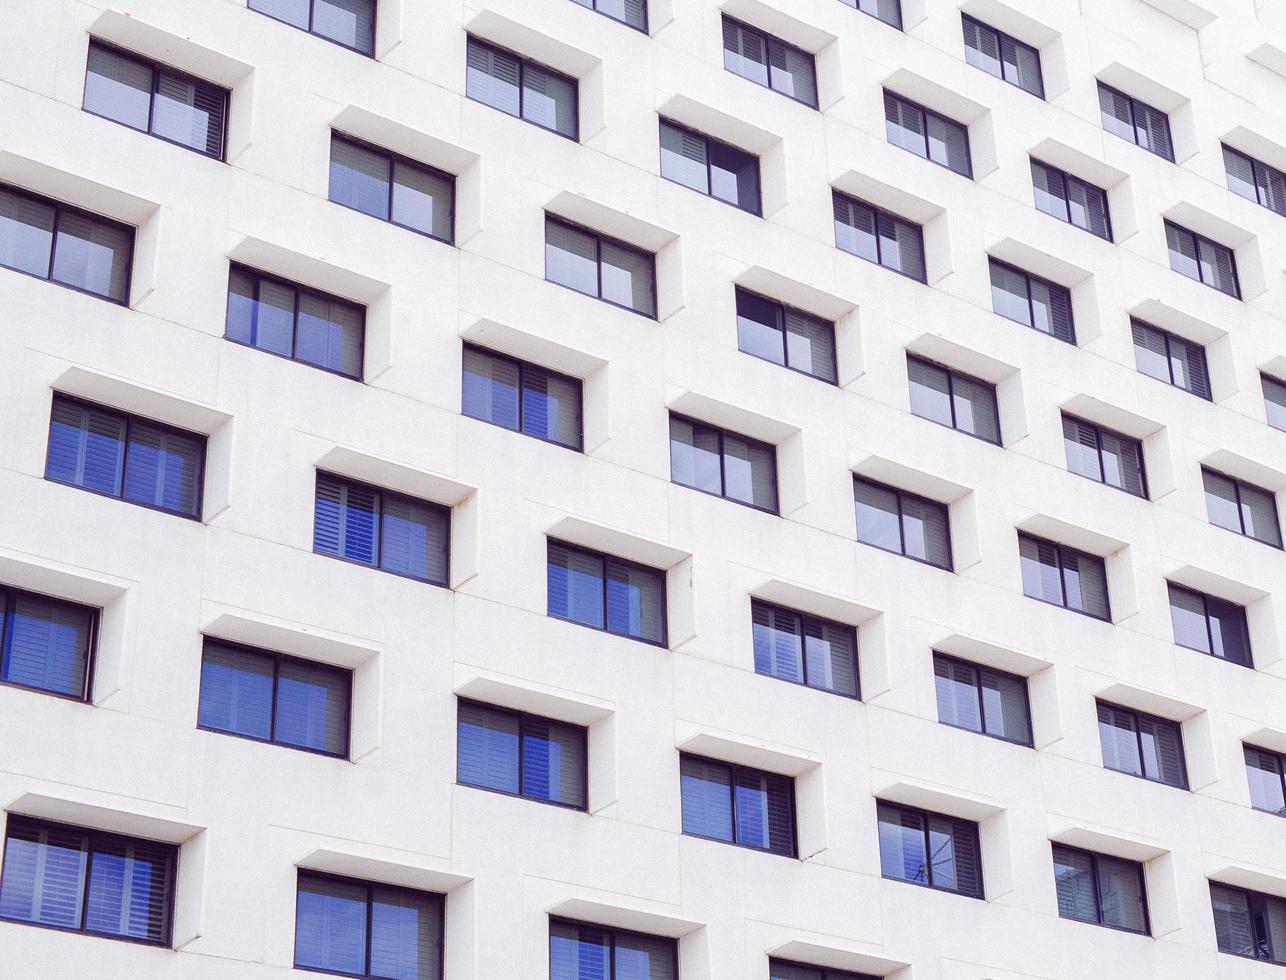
point(359, 178)
point(949, 144)
point(810, 345)
point(118, 87)
point(1264, 772)
point(764, 811)
point(1122, 462)
point(878, 518)
point(312, 706)
point(1085, 583)
point(189, 112)
point(549, 100)
point(47, 645)
point(855, 228)
point(1221, 501)
point(759, 327)
point(1151, 355)
point(635, 601)
point(553, 762)
point(942, 853)
point(793, 72)
point(413, 539)
point(26, 233)
point(930, 391)
point(1115, 111)
point(579, 952)
point(683, 158)
point(706, 791)
point(236, 691)
point(406, 934)
point(93, 255)
point(902, 845)
point(551, 406)
point(1183, 252)
point(330, 925)
point(575, 585)
point(1041, 578)
point(487, 747)
point(1259, 514)
point(1009, 294)
point(1240, 170)
point(344, 520)
point(1188, 617)
point(1234, 932)
point(490, 388)
point(261, 312)
point(901, 246)
point(1228, 631)
point(629, 278)
point(1004, 702)
point(129, 883)
point(1274, 401)
point(1080, 443)
point(492, 77)
point(1162, 751)
point(1021, 66)
point(830, 657)
point(330, 334)
point(632, 12)
point(925, 531)
point(44, 875)
point(644, 958)
point(904, 125)
point(350, 22)
point(1121, 894)
point(86, 447)
point(1188, 366)
point(1119, 740)
point(694, 456)
point(1218, 267)
point(422, 200)
point(778, 644)
point(163, 468)
point(294, 12)
point(1153, 130)
point(745, 52)
point(734, 176)
point(1051, 191)
point(956, 685)
point(975, 404)
point(1074, 884)
point(982, 47)
point(1088, 207)
point(750, 472)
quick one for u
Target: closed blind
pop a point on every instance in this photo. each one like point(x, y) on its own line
point(778, 644)
point(406, 934)
point(810, 344)
point(926, 531)
point(422, 199)
point(492, 77)
point(190, 112)
point(549, 100)
point(575, 585)
point(47, 645)
point(1234, 932)
point(129, 885)
point(1162, 743)
point(330, 334)
point(957, 694)
point(487, 747)
point(792, 72)
point(330, 925)
point(629, 278)
point(350, 22)
point(975, 406)
point(553, 761)
point(86, 447)
point(26, 234)
point(706, 792)
point(236, 691)
point(163, 468)
point(1074, 884)
point(93, 255)
point(118, 87)
point(490, 388)
point(359, 178)
point(414, 538)
point(313, 706)
point(1085, 582)
point(44, 874)
point(551, 406)
point(635, 601)
point(750, 472)
point(830, 654)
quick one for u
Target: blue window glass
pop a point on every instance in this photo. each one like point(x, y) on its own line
point(520, 754)
point(521, 396)
point(46, 643)
point(382, 529)
point(584, 952)
point(737, 805)
point(522, 88)
point(606, 593)
point(392, 188)
point(363, 929)
point(70, 878)
point(929, 849)
point(804, 649)
point(348, 23)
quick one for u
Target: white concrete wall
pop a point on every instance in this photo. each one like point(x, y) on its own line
point(250, 813)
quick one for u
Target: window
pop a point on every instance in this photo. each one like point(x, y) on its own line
point(46, 644)
point(1141, 745)
point(520, 754)
point(579, 951)
point(599, 266)
point(1032, 301)
point(902, 522)
point(630, 12)
point(1241, 507)
point(154, 99)
point(1266, 773)
point(1107, 891)
point(1249, 924)
point(927, 133)
point(1071, 199)
point(1064, 576)
point(521, 396)
point(723, 463)
point(1005, 57)
point(1162, 355)
point(1210, 625)
point(786, 970)
point(803, 649)
point(1199, 258)
point(878, 236)
point(1135, 121)
point(364, 929)
point(63, 244)
point(1274, 401)
point(769, 61)
point(86, 881)
point(606, 593)
point(929, 849)
point(784, 335)
point(1255, 180)
point(391, 188)
point(953, 399)
point(294, 321)
point(982, 699)
point(1104, 456)
point(889, 11)
point(709, 166)
point(737, 805)
point(125, 456)
point(349, 23)
point(385, 530)
point(270, 697)
point(522, 88)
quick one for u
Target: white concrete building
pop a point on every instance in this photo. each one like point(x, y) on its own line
point(1134, 440)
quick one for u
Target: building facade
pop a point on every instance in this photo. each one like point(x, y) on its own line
point(642, 489)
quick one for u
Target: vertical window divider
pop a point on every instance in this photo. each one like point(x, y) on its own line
point(88, 844)
point(370, 918)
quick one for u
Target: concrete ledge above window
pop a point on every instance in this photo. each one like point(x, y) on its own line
point(743, 750)
point(1043, 36)
point(929, 215)
point(1259, 879)
point(1245, 246)
point(623, 916)
point(991, 654)
point(534, 697)
point(1188, 12)
point(1103, 840)
point(1077, 279)
point(1006, 377)
point(837, 958)
point(103, 811)
point(928, 796)
point(1244, 468)
point(368, 864)
point(959, 108)
point(284, 636)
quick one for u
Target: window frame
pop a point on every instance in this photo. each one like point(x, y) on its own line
point(927, 112)
point(1256, 165)
point(1068, 180)
point(1099, 430)
point(128, 418)
point(298, 289)
point(1205, 598)
point(157, 67)
point(522, 717)
point(523, 62)
point(780, 311)
point(1002, 36)
point(924, 816)
point(978, 668)
point(709, 142)
point(723, 456)
point(877, 212)
point(522, 366)
point(1094, 856)
point(1059, 548)
point(768, 41)
point(952, 375)
point(9, 595)
point(439, 898)
point(378, 536)
point(733, 769)
point(804, 619)
point(1238, 484)
point(1028, 279)
point(312, 5)
point(1166, 335)
point(1256, 905)
point(394, 159)
point(946, 509)
point(1137, 717)
point(278, 658)
point(1197, 241)
point(613, 932)
point(1134, 120)
point(59, 207)
point(1281, 774)
point(599, 240)
point(823, 972)
point(857, 5)
point(95, 837)
point(1265, 380)
point(604, 557)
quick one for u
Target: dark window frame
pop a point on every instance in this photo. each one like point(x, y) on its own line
point(1265, 380)
point(613, 932)
point(1257, 906)
point(1257, 166)
point(1137, 717)
point(723, 456)
point(857, 5)
point(924, 816)
point(879, 212)
point(804, 619)
point(378, 534)
point(1099, 430)
point(1210, 640)
point(1134, 120)
point(604, 557)
point(394, 159)
point(523, 62)
point(96, 837)
point(1028, 279)
point(278, 658)
point(768, 41)
point(823, 972)
point(439, 898)
point(713, 141)
point(9, 595)
point(780, 311)
point(1197, 241)
point(978, 668)
point(522, 365)
point(599, 240)
point(129, 418)
point(522, 717)
point(312, 4)
point(59, 208)
point(1167, 335)
point(1098, 896)
point(733, 769)
point(1059, 549)
point(1237, 485)
point(946, 509)
point(593, 5)
point(299, 289)
point(157, 67)
point(927, 112)
point(1068, 180)
point(952, 375)
point(1281, 774)
point(1000, 37)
